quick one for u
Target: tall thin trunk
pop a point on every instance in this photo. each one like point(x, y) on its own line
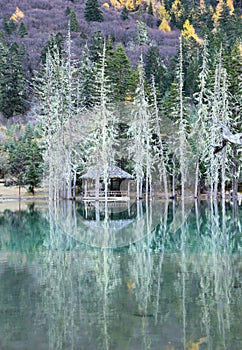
point(163, 172)
point(74, 185)
point(196, 194)
point(235, 176)
point(173, 180)
point(216, 179)
point(223, 175)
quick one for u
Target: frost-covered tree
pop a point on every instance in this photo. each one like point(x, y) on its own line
point(142, 37)
point(101, 138)
point(86, 76)
point(140, 131)
point(175, 107)
point(217, 163)
point(160, 159)
point(182, 125)
point(198, 134)
point(57, 107)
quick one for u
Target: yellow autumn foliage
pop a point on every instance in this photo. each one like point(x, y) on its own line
point(117, 4)
point(138, 2)
point(176, 8)
point(105, 5)
point(196, 345)
point(218, 12)
point(162, 13)
point(164, 26)
point(230, 5)
point(129, 5)
point(17, 15)
point(188, 32)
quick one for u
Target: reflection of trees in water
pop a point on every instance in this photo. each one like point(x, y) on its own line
point(81, 289)
point(177, 288)
point(184, 291)
point(205, 282)
point(217, 271)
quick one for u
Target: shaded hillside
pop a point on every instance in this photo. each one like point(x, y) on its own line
point(44, 17)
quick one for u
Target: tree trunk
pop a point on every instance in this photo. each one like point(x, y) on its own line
point(69, 177)
point(173, 180)
point(196, 178)
point(19, 189)
point(74, 186)
point(223, 175)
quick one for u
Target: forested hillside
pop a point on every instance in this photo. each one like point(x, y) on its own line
point(30, 28)
point(149, 85)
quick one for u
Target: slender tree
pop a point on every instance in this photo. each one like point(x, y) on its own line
point(74, 25)
point(198, 135)
point(218, 162)
point(101, 138)
point(142, 37)
point(141, 131)
point(57, 90)
point(55, 42)
point(159, 149)
point(182, 124)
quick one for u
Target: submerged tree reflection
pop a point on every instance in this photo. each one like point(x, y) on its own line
point(167, 276)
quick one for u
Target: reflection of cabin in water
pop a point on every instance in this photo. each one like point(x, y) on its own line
point(118, 184)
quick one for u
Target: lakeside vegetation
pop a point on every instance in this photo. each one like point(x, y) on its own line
point(99, 98)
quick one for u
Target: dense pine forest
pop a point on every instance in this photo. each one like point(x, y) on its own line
point(154, 87)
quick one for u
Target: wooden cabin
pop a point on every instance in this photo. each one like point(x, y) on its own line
point(118, 184)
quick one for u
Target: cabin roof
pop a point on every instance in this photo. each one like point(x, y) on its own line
point(113, 172)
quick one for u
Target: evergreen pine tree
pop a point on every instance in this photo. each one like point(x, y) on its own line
point(12, 80)
point(124, 13)
point(141, 33)
point(156, 69)
point(96, 46)
point(233, 65)
point(9, 26)
point(150, 9)
point(92, 12)
point(74, 25)
point(24, 159)
point(67, 11)
point(54, 43)
point(22, 31)
point(87, 72)
point(121, 75)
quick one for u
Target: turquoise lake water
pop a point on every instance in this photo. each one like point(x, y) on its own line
point(165, 276)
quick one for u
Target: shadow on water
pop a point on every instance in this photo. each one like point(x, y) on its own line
point(164, 275)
